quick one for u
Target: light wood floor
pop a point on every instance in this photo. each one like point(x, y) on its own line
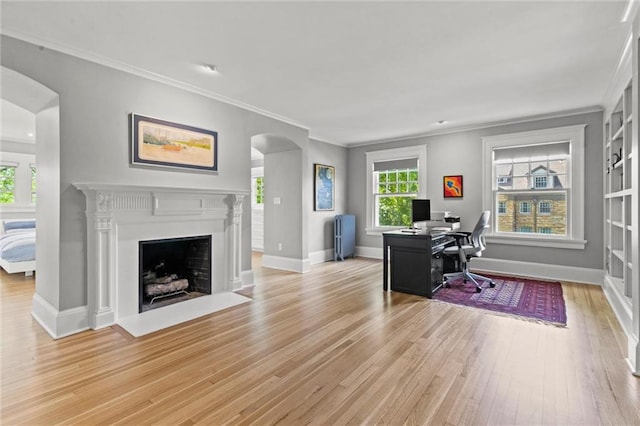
point(327, 347)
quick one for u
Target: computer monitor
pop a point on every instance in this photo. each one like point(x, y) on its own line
point(420, 210)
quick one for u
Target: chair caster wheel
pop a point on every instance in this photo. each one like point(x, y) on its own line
point(492, 284)
point(478, 289)
point(445, 284)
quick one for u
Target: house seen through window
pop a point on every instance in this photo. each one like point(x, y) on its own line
point(535, 179)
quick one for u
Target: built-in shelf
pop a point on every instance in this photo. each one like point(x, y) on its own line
point(619, 254)
point(618, 194)
point(618, 134)
point(620, 216)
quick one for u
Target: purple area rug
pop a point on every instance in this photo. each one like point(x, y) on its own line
point(522, 297)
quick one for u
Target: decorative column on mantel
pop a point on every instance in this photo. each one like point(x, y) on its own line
point(100, 251)
point(235, 260)
point(108, 206)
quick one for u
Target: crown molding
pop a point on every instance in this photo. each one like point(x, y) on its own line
point(140, 72)
point(558, 114)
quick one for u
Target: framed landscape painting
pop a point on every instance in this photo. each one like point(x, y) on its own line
point(324, 187)
point(452, 186)
point(163, 143)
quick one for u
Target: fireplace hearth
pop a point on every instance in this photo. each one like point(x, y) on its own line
point(173, 270)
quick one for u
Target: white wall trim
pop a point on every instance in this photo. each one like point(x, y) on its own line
point(56, 323)
point(471, 127)
point(512, 267)
point(247, 278)
point(370, 252)
point(624, 316)
point(539, 270)
point(320, 256)
point(286, 263)
point(417, 151)
point(576, 190)
point(108, 62)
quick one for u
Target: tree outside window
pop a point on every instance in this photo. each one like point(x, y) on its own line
point(394, 177)
point(259, 190)
point(33, 184)
point(7, 184)
point(395, 190)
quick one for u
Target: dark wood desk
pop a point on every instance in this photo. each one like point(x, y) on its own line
point(415, 261)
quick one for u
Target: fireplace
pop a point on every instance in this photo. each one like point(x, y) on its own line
point(173, 270)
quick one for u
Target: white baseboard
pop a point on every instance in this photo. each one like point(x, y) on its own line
point(539, 270)
point(247, 278)
point(56, 323)
point(321, 256)
point(286, 263)
point(513, 267)
point(370, 252)
point(633, 357)
point(624, 316)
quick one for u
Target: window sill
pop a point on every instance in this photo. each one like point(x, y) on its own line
point(17, 208)
point(537, 241)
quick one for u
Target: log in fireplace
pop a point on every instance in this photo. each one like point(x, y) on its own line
point(173, 270)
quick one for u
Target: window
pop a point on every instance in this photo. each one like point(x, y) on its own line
point(540, 181)
point(7, 184)
point(544, 207)
point(525, 207)
point(33, 184)
point(394, 178)
point(521, 169)
point(395, 190)
point(259, 190)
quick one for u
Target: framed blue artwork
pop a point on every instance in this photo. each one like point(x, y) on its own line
point(324, 187)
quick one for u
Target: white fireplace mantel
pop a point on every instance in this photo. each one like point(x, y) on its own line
point(118, 216)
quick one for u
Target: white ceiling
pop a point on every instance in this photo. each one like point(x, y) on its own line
point(352, 72)
point(16, 123)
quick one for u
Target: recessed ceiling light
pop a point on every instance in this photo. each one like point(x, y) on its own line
point(30, 135)
point(211, 68)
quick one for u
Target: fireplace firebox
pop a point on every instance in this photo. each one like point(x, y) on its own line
point(173, 270)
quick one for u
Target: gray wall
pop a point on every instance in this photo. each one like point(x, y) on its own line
point(95, 102)
point(321, 222)
point(461, 153)
point(282, 172)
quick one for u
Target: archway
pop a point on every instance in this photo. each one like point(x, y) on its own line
point(44, 103)
point(283, 215)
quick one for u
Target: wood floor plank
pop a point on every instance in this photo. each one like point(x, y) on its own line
point(325, 347)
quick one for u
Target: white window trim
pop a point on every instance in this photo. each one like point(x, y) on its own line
point(419, 152)
point(575, 231)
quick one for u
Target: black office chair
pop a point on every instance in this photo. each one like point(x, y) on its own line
point(468, 245)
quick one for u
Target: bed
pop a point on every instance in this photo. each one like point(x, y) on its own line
point(18, 246)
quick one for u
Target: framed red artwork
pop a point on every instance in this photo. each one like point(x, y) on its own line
point(452, 186)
